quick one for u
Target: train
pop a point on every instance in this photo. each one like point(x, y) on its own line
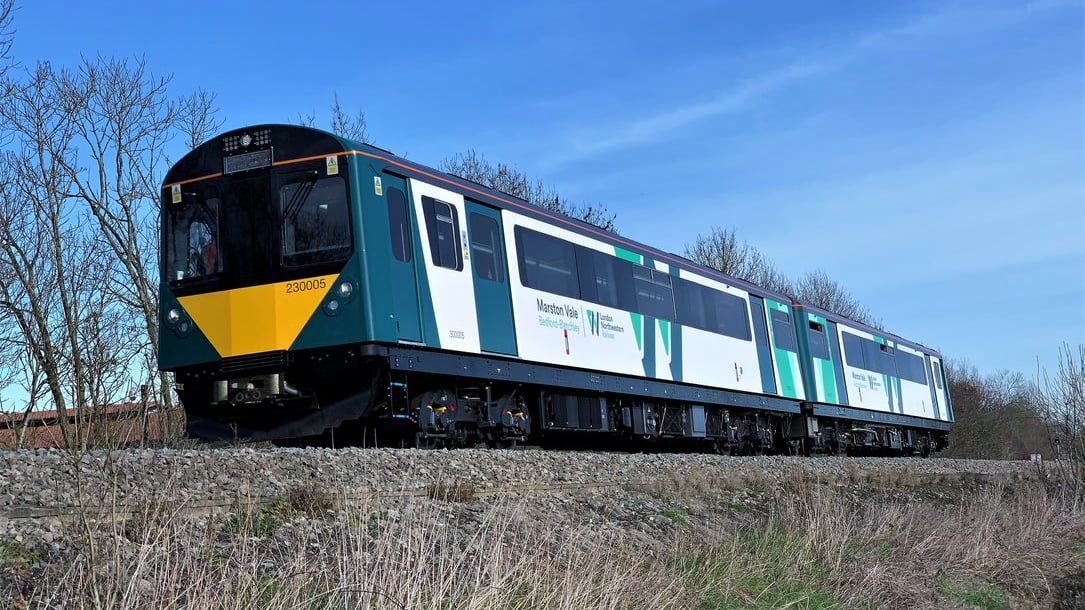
point(319, 289)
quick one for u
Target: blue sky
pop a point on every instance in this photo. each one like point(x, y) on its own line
point(928, 155)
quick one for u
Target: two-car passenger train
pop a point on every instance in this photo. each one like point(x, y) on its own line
point(313, 286)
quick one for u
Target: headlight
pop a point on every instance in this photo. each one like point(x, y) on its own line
point(173, 316)
point(346, 289)
point(333, 306)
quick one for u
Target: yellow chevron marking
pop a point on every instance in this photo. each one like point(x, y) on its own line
point(257, 318)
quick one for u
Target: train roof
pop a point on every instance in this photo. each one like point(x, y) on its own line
point(323, 143)
point(511, 202)
point(839, 319)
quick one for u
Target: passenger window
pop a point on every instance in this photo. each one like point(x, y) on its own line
point(444, 233)
point(692, 305)
point(653, 292)
point(712, 310)
point(399, 228)
point(853, 351)
point(486, 248)
point(316, 221)
point(889, 361)
point(911, 367)
point(819, 343)
point(879, 357)
point(605, 279)
point(547, 263)
point(732, 318)
point(937, 374)
point(782, 333)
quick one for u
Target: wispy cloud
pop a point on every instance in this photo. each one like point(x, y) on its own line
point(582, 142)
point(649, 128)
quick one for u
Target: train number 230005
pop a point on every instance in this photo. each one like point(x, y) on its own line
point(304, 285)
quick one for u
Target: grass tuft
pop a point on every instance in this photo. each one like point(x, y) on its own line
point(983, 596)
point(15, 554)
point(677, 515)
point(261, 521)
point(311, 499)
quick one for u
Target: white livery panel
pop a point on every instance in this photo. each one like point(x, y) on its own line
point(578, 333)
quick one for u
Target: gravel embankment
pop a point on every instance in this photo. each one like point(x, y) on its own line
point(56, 478)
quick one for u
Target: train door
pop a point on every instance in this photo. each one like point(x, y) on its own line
point(404, 282)
point(938, 389)
point(444, 265)
point(764, 349)
point(833, 337)
point(489, 264)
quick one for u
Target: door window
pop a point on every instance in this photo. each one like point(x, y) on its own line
point(782, 333)
point(398, 226)
point(486, 248)
point(444, 230)
point(819, 343)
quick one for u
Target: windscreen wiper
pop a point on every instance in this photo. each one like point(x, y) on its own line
point(212, 216)
point(293, 207)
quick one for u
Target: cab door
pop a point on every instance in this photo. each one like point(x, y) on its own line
point(403, 237)
point(489, 265)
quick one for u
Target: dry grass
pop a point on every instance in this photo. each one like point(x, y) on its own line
point(452, 491)
point(807, 545)
point(311, 499)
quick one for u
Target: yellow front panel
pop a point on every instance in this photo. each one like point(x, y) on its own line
point(257, 318)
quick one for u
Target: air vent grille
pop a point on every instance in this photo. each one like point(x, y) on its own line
point(253, 363)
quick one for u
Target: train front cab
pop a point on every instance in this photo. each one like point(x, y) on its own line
point(264, 295)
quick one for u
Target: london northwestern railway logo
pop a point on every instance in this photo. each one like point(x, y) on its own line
point(602, 324)
point(593, 322)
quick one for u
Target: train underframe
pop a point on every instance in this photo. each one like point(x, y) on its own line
point(345, 398)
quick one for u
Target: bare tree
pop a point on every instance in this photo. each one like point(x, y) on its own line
point(42, 248)
point(84, 216)
point(7, 33)
point(818, 289)
point(722, 250)
point(18, 369)
point(1061, 396)
point(123, 117)
point(198, 117)
point(342, 123)
point(352, 126)
point(307, 120)
point(507, 179)
point(996, 416)
point(33, 386)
